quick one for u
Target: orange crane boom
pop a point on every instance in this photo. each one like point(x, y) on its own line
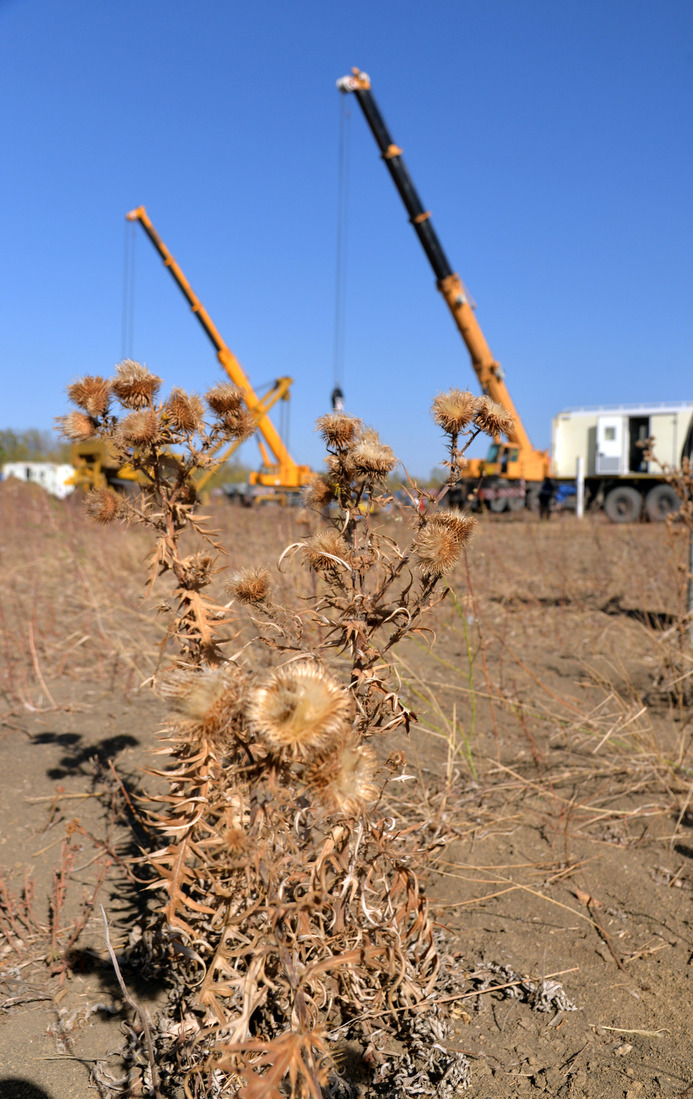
point(528, 463)
point(279, 471)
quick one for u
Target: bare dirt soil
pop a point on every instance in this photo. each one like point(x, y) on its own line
point(551, 777)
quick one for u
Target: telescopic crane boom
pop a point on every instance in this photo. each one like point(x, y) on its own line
point(279, 468)
point(530, 464)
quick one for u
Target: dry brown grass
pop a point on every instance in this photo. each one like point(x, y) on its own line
point(547, 749)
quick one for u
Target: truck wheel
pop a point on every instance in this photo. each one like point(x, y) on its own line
point(497, 504)
point(623, 504)
point(532, 498)
point(660, 502)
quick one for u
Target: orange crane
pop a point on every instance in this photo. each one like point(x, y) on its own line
point(279, 472)
point(513, 469)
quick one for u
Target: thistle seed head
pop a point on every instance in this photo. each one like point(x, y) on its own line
point(103, 505)
point(300, 709)
point(225, 397)
point(185, 411)
point(492, 417)
point(438, 545)
point(134, 385)
point(77, 426)
point(371, 457)
point(325, 550)
point(343, 780)
point(239, 423)
point(92, 394)
point(340, 466)
point(208, 700)
point(140, 428)
point(250, 585)
point(338, 430)
point(453, 410)
point(319, 493)
point(235, 841)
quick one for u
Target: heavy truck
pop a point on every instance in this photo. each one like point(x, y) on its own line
point(607, 440)
point(612, 444)
point(279, 476)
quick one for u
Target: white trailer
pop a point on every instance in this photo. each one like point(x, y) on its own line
point(54, 477)
point(609, 442)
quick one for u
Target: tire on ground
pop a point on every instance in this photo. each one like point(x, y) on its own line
point(623, 504)
point(497, 504)
point(660, 502)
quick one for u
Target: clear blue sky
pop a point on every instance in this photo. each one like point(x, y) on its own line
point(551, 140)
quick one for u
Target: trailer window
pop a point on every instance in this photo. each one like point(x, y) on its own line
point(609, 434)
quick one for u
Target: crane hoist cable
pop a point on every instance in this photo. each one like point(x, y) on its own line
point(341, 258)
point(128, 306)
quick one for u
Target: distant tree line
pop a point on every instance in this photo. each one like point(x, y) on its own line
point(31, 446)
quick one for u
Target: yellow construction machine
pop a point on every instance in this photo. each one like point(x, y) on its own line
point(279, 476)
point(511, 474)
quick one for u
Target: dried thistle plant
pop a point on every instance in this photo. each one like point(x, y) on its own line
point(290, 905)
point(167, 445)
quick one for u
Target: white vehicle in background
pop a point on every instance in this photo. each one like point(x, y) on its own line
point(609, 441)
point(54, 477)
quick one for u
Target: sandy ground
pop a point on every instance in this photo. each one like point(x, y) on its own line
point(553, 753)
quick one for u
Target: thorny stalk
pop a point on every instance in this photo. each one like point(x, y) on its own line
point(288, 902)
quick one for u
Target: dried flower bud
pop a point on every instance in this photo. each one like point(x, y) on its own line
point(439, 543)
point(325, 550)
point(371, 457)
point(343, 779)
point(208, 700)
point(225, 397)
point(77, 426)
point(197, 571)
point(250, 585)
point(338, 430)
point(103, 505)
point(299, 709)
point(341, 466)
point(453, 410)
point(239, 423)
point(92, 394)
point(140, 428)
point(135, 386)
point(319, 493)
point(185, 411)
point(235, 841)
point(493, 418)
